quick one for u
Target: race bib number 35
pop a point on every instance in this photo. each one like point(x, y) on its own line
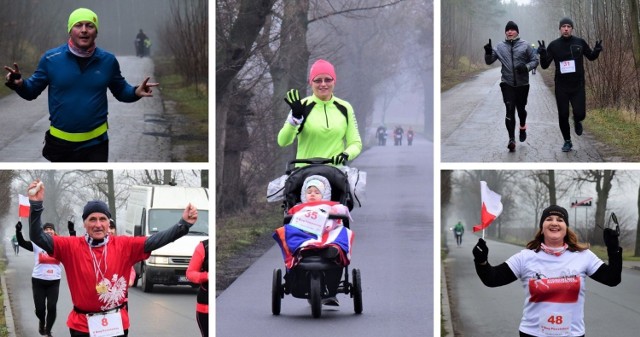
point(311, 219)
point(555, 323)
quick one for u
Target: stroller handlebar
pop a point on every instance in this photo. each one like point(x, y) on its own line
point(312, 161)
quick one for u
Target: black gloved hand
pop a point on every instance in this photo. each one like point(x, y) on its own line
point(70, 226)
point(610, 237)
point(522, 68)
point(340, 159)
point(487, 48)
point(10, 82)
point(480, 252)
point(598, 47)
point(293, 99)
point(542, 50)
point(19, 226)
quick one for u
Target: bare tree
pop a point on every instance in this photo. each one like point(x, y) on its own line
point(602, 179)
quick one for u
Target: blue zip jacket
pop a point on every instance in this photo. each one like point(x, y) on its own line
point(77, 99)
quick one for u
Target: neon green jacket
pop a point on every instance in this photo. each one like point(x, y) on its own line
point(325, 131)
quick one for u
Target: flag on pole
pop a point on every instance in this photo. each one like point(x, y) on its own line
point(491, 207)
point(23, 206)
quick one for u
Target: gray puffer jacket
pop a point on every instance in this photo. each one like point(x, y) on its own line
point(511, 53)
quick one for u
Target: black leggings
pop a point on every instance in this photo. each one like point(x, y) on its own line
point(203, 323)
point(515, 98)
point(76, 333)
point(522, 334)
point(577, 98)
point(45, 298)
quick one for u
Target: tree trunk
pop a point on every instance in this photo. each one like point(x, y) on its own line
point(634, 18)
point(603, 187)
point(637, 250)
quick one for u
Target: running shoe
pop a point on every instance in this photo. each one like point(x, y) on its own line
point(578, 128)
point(512, 145)
point(523, 133)
point(567, 146)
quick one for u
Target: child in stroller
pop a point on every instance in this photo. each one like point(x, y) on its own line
point(332, 243)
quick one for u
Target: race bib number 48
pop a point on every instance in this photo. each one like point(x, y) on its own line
point(555, 323)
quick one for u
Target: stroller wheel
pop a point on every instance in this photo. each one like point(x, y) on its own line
point(277, 292)
point(356, 291)
point(315, 295)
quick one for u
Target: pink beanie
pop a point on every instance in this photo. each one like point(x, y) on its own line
point(321, 67)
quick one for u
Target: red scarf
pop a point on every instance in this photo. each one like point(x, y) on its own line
point(557, 251)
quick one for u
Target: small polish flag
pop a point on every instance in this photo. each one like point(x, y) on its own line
point(491, 207)
point(23, 206)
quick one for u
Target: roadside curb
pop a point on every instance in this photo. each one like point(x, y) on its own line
point(8, 314)
point(445, 309)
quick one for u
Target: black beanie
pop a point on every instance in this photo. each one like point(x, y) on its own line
point(95, 206)
point(49, 225)
point(555, 210)
point(511, 25)
point(565, 21)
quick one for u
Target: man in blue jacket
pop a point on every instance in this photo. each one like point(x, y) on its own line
point(78, 75)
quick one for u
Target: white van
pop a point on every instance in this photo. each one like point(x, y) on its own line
point(153, 208)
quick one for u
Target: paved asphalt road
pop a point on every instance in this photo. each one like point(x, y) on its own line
point(483, 311)
point(473, 130)
point(393, 248)
point(138, 132)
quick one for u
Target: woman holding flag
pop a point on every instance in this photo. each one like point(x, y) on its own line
point(552, 270)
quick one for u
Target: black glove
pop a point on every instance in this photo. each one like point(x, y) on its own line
point(610, 237)
point(293, 99)
point(70, 226)
point(339, 159)
point(13, 77)
point(598, 47)
point(480, 252)
point(542, 50)
point(487, 48)
point(19, 226)
point(522, 69)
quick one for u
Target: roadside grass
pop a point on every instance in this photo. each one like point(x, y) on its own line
point(619, 129)
point(451, 77)
point(191, 102)
point(238, 235)
point(3, 323)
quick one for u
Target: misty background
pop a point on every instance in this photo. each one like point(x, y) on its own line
point(383, 54)
point(525, 193)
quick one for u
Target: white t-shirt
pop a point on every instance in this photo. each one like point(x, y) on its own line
point(554, 287)
point(46, 267)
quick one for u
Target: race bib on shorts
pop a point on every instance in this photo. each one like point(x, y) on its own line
point(567, 67)
point(105, 325)
point(555, 323)
point(311, 219)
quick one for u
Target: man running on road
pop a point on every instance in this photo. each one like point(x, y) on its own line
point(78, 75)
point(567, 53)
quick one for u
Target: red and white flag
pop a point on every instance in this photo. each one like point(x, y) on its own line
point(23, 206)
point(491, 207)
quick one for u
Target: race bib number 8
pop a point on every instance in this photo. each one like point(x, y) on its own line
point(106, 325)
point(567, 67)
point(555, 324)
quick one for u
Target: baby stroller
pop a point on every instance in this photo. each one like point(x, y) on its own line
point(314, 274)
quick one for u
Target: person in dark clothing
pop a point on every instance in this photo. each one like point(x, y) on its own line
point(45, 280)
point(568, 53)
point(198, 273)
point(553, 269)
point(517, 58)
point(140, 43)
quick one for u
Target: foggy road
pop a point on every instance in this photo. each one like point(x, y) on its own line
point(393, 248)
point(483, 311)
point(473, 129)
point(168, 311)
point(138, 132)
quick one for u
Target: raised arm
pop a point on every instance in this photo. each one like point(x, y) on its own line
point(157, 240)
point(36, 233)
point(610, 274)
point(489, 275)
point(21, 241)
